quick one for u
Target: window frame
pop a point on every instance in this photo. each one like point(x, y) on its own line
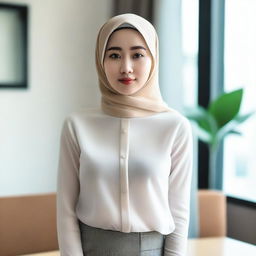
point(211, 38)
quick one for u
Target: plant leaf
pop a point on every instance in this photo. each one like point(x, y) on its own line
point(203, 119)
point(196, 114)
point(226, 107)
point(241, 118)
point(234, 132)
point(206, 126)
point(203, 135)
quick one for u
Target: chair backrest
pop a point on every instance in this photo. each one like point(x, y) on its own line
point(212, 213)
point(28, 224)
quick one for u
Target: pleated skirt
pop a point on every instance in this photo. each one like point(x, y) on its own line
point(100, 242)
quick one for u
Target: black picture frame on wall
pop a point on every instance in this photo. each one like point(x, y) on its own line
point(13, 46)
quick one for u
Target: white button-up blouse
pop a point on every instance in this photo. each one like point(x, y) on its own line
point(124, 174)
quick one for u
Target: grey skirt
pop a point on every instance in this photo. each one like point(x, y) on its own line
point(101, 242)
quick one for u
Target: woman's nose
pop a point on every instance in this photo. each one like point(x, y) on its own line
point(126, 66)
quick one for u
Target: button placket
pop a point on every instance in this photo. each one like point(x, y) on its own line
point(124, 183)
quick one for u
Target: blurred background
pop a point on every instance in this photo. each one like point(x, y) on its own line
point(47, 71)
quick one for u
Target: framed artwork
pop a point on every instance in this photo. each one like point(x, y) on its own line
point(13, 46)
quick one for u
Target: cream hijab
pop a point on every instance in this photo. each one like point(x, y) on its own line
point(148, 100)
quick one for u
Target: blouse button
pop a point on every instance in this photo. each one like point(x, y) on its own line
point(123, 156)
point(124, 130)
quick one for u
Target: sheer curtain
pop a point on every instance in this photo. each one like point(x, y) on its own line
point(143, 8)
point(175, 72)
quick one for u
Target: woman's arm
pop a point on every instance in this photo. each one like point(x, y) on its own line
point(179, 190)
point(67, 193)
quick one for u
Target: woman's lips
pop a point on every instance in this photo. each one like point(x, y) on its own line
point(126, 80)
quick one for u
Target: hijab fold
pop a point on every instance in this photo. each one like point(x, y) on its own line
point(148, 100)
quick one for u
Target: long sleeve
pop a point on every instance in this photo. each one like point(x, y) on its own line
point(179, 190)
point(67, 193)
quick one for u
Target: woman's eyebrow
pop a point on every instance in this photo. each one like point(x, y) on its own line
point(120, 49)
point(114, 48)
point(138, 47)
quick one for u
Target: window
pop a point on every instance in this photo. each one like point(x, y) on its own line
point(239, 72)
point(13, 45)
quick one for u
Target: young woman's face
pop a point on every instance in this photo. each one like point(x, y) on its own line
point(127, 61)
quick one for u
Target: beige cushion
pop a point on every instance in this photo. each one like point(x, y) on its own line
point(212, 213)
point(28, 224)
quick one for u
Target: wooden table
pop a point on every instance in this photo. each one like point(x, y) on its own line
point(219, 246)
point(53, 253)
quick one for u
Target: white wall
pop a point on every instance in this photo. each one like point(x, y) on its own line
point(62, 78)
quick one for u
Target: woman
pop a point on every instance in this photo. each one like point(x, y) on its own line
point(125, 168)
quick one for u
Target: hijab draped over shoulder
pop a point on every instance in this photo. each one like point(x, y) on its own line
point(148, 100)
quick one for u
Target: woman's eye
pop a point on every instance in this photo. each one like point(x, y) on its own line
point(114, 56)
point(137, 55)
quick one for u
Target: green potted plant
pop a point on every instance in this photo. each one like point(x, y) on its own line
point(213, 123)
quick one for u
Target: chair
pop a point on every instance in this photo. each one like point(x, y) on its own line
point(212, 213)
point(28, 224)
